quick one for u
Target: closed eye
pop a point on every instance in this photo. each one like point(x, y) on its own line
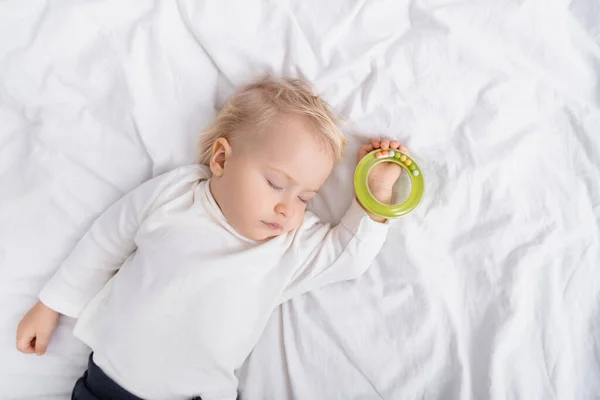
point(277, 188)
point(303, 200)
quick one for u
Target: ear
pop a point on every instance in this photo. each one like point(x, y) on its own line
point(221, 152)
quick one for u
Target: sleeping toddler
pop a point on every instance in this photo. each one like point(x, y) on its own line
point(174, 283)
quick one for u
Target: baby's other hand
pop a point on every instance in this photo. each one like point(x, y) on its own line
point(36, 328)
point(383, 175)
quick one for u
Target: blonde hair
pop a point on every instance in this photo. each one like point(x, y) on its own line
point(255, 104)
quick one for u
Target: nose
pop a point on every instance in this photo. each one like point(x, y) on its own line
point(285, 208)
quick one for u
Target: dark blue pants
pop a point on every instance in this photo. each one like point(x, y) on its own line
point(95, 385)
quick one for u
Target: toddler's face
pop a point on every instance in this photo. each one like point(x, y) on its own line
point(267, 179)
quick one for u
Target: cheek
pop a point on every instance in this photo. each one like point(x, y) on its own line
point(240, 194)
point(255, 196)
point(299, 216)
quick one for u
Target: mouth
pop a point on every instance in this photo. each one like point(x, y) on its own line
point(273, 226)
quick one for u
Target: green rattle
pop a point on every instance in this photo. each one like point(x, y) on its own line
point(364, 194)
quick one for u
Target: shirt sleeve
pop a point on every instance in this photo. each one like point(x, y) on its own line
point(329, 255)
point(110, 241)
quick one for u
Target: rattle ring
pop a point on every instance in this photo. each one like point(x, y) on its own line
point(364, 195)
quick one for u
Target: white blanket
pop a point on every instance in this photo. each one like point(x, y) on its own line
point(489, 290)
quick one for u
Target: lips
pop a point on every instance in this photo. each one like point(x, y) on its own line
point(273, 226)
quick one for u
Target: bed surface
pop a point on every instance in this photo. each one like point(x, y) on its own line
point(489, 290)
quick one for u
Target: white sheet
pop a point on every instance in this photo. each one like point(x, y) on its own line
point(490, 290)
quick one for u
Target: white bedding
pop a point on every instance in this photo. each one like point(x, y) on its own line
point(489, 290)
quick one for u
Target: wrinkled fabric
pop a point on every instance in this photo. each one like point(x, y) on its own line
point(488, 290)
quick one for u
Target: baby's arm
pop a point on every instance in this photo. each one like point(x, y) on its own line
point(101, 252)
point(327, 254)
point(97, 257)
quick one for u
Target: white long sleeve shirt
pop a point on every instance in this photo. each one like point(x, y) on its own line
point(192, 296)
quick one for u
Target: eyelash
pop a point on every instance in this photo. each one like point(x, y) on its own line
point(274, 187)
point(277, 188)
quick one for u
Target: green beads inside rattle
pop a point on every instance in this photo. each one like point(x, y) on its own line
point(364, 195)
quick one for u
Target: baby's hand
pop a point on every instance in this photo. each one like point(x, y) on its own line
point(383, 175)
point(35, 329)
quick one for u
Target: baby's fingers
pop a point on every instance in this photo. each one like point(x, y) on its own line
point(385, 144)
point(41, 343)
point(26, 343)
point(364, 150)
